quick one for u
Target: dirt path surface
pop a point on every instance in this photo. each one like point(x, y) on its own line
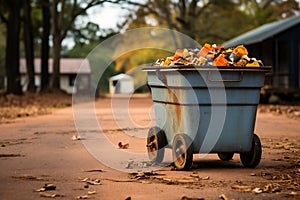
point(36, 151)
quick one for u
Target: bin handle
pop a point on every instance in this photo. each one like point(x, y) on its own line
point(227, 80)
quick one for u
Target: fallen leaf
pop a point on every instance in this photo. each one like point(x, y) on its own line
point(142, 175)
point(123, 146)
point(169, 181)
point(191, 198)
point(94, 170)
point(257, 190)
point(293, 193)
point(223, 197)
point(40, 190)
point(271, 188)
point(46, 187)
point(76, 137)
point(49, 186)
point(205, 178)
point(83, 197)
point(194, 175)
point(128, 166)
point(46, 195)
point(186, 181)
point(242, 188)
point(84, 180)
point(91, 192)
point(94, 182)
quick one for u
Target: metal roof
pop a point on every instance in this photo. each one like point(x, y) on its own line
point(120, 77)
point(67, 66)
point(263, 32)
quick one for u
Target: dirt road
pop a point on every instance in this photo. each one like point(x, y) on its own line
point(35, 151)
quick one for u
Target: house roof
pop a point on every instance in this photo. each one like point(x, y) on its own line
point(120, 77)
point(263, 32)
point(67, 66)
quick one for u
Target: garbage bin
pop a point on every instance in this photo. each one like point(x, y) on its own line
point(185, 100)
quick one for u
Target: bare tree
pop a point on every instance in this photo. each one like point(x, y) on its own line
point(45, 45)
point(12, 60)
point(28, 43)
point(64, 13)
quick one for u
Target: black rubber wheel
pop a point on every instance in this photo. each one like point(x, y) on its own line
point(156, 143)
point(182, 151)
point(252, 158)
point(225, 156)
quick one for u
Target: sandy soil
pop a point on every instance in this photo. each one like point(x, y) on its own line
point(39, 150)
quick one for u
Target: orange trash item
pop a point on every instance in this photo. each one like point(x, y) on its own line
point(204, 51)
point(178, 54)
point(240, 51)
point(220, 61)
point(253, 64)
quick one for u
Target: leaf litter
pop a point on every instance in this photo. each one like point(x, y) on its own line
point(30, 104)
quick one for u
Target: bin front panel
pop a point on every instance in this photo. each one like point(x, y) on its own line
point(236, 134)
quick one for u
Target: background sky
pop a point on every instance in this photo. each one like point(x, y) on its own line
point(109, 15)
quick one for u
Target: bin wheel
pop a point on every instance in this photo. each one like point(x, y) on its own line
point(252, 158)
point(156, 143)
point(182, 151)
point(225, 156)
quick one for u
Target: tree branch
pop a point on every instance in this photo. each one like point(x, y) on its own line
point(3, 19)
point(91, 4)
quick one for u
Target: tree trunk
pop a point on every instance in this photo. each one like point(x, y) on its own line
point(28, 43)
point(55, 82)
point(12, 60)
point(55, 79)
point(45, 46)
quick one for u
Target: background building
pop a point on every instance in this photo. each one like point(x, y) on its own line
point(121, 84)
point(277, 44)
point(69, 69)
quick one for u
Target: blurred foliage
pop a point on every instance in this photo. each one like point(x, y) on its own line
point(264, 11)
point(139, 57)
point(206, 21)
point(211, 20)
point(89, 50)
point(143, 46)
point(132, 63)
point(3, 19)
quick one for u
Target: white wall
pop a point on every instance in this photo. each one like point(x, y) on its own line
point(25, 81)
point(125, 86)
point(64, 84)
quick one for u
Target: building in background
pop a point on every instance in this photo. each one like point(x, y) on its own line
point(69, 69)
point(121, 84)
point(277, 44)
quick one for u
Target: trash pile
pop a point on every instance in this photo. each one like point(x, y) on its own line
point(211, 55)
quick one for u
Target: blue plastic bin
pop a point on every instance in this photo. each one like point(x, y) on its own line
point(205, 110)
